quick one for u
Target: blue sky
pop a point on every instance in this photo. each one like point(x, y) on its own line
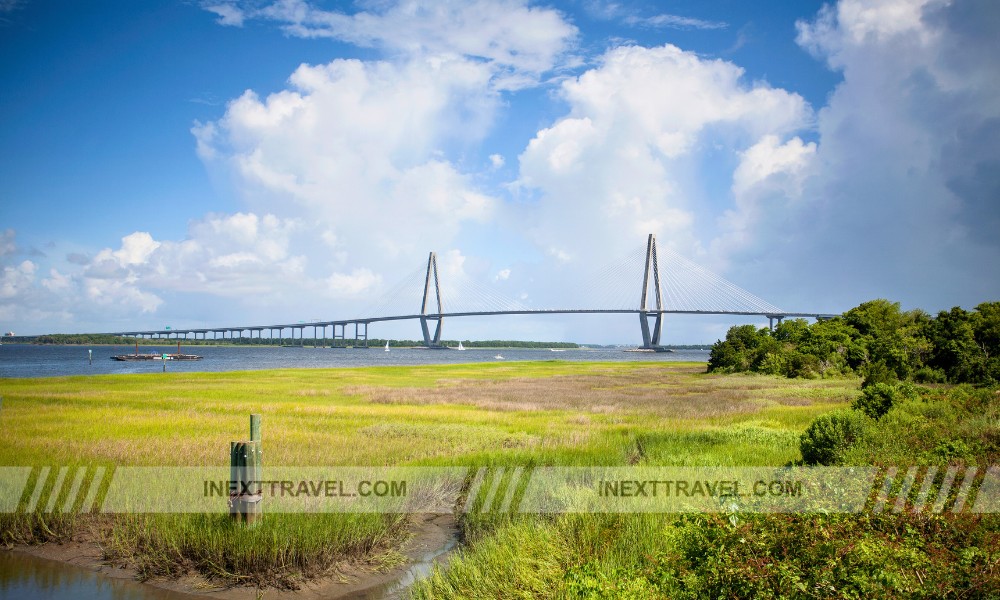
point(228, 163)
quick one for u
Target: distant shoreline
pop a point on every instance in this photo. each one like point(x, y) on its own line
point(97, 341)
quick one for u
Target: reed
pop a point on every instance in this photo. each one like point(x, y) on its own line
point(532, 413)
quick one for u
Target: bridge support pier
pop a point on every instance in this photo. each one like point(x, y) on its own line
point(651, 331)
point(651, 335)
point(425, 317)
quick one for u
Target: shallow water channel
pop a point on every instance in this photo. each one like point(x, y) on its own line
point(27, 577)
point(23, 576)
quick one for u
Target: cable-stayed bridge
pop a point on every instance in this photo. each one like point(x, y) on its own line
point(633, 285)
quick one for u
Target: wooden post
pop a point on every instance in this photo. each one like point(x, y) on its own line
point(254, 428)
point(258, 445)
point(234, 482)
point(251, 509)
point(245, 490)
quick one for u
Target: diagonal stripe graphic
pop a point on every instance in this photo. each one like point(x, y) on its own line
point(883, 495)
point(43, 476)
point(925, 489)
point(95, 485)
point(494, 486)
point(963, 492)
point(942, 498)
point(74, 489)
point(13, 485)
point(904, 491)
point(56, 489)
point(477, 482)
point(512, 485)
point(988, 496)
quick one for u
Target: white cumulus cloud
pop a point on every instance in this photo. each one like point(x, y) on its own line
point(624, 161)
point(898, 197)
point(519, 42)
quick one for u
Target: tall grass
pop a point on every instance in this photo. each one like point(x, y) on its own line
point(544, 413)
point(280, 550)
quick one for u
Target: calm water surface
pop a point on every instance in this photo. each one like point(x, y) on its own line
point(25, 360)
point(25, 577)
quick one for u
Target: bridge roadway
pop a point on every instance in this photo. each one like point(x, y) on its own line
point(343, 323)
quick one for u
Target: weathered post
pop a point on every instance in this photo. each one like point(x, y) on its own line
point(245, 491)
point(251, 483)
point(234, 482)
point(254, 428)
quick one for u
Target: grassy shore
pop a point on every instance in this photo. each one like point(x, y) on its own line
point(510, 414)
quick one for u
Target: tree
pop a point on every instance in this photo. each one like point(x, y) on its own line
point(955, 351)
point(741, 350)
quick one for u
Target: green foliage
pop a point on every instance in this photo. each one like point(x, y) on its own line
point(876, 399)
point(825, 556)
point(877, 340)
point(929, 375)
point(830, 436)
point(906, 424)
point(966, 345)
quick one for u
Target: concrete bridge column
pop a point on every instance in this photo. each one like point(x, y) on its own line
point(651, 335)
point(435, 341)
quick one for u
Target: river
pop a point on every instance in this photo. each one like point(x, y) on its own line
point(26, 360)
point(25, 577)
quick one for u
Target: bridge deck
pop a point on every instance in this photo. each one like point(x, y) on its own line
point(368, 320)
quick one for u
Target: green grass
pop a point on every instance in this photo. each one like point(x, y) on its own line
point(531, 413)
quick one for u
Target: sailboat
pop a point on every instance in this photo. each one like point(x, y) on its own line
point(387, 346)
point(460, 346)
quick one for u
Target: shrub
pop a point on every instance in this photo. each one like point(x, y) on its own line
point(929, 375)
point(829, 436)
point(774, 363)
point(876, 400)
point(877, 372)
point(949, 450)
point(803, 365)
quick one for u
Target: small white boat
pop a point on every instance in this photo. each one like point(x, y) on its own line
point(387, 346)
point(460, 346)
point(498, 357)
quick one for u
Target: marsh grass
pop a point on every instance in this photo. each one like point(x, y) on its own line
point(538, 413)
point(282, 550)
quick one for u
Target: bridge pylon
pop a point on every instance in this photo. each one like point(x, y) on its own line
point(651, 321)
point(425, 317)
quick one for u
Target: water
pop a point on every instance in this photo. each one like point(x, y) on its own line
point(24, 577)
point(25, 360)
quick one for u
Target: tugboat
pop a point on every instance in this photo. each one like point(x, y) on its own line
point(154, 356)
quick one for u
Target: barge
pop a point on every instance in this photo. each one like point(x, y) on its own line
point(155, 356)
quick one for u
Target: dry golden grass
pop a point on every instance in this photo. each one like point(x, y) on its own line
point(672, 392)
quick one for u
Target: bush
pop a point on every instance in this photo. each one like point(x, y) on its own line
point(829, 436)
point(803, 365)
point(929, 375)
point(877, 372)
point(876, 400)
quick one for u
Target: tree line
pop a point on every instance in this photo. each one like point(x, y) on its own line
point(876, 340)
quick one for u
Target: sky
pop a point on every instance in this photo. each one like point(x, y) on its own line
point(210, 163)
